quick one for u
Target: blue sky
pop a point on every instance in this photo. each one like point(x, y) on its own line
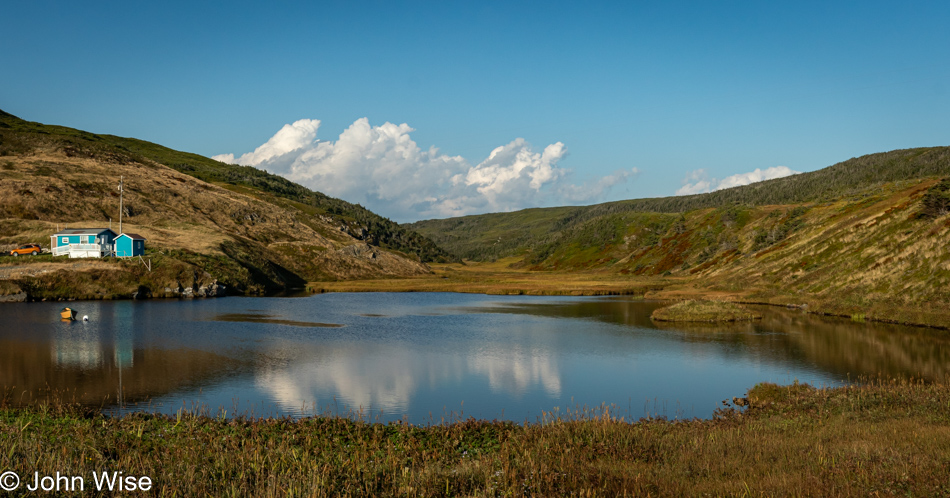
point(584, 103)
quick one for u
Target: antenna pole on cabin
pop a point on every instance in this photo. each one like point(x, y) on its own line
point(120, 205)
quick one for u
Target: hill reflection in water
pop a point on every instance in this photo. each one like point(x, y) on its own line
point(836, 345)
point(422, 356)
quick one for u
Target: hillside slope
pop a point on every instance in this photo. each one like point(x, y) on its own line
point(866, 238)
point(204, 220)
point(499, 235)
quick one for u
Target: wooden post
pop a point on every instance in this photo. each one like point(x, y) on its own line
point(120, 205)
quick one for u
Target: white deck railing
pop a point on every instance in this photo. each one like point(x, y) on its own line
point(71, 248)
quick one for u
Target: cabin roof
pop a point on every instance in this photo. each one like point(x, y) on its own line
point(83, 231)
point(133, 236)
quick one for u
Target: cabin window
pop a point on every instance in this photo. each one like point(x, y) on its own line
point(65, 240)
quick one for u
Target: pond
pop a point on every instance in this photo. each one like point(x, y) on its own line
point(432, 357)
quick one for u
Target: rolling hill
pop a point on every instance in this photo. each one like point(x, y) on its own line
point(867, 238)
point(205, 221)
point(499, 235)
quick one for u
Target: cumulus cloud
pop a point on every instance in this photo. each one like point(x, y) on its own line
point(698, 181)
point(381, 167)
point(290, 138)
point(576, 194)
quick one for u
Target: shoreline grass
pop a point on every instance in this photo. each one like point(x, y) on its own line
point(500, 278)
point(878, 438)
point(703, 311)
point(506, 277)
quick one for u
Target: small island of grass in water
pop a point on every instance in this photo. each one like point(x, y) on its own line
point(704, 311)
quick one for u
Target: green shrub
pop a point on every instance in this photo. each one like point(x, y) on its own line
point(936, 201)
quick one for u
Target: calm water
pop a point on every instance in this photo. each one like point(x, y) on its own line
point(424, 357)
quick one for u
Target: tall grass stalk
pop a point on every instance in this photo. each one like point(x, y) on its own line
point(884, 437)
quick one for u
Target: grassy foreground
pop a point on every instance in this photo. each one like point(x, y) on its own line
point(886, 438)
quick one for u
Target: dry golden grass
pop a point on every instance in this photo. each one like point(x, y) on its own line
point(876, 439)
point(703, 311)
point(270, 243)
point(31, 267)
point(501, 278)
point(170, 235)
point(870, 256)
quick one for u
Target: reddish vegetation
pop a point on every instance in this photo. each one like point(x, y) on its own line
point(675, 256)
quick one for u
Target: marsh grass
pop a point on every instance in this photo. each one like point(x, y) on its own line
point(501, 277)
point(704, 311)
point(877, 438)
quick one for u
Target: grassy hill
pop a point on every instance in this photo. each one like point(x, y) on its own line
point(204, 220)
point(498, 235)
point(18, 137)
point(866, 238)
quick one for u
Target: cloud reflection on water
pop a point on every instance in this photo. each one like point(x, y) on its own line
point(386, 377)
point(518, 371)
point(415, 355)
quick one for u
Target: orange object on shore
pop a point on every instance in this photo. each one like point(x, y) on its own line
point(33, 249)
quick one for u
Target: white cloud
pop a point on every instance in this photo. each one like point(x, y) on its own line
point(514, 162)
point(290, 138)
point(381, 167)
point(584, 193)
point(698, 181)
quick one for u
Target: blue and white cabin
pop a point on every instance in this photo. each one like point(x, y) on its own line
point(129, 244)
point(82, 242)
